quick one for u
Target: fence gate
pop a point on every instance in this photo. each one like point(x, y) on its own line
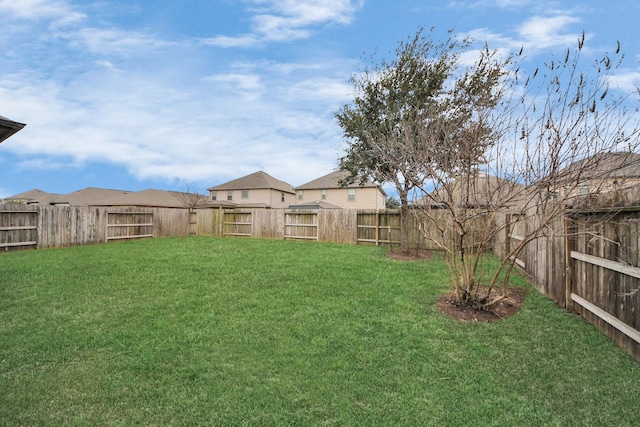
point(129, 225)
point(18, 228)
point(301, 225)
point(237, 224)
point(379, 227)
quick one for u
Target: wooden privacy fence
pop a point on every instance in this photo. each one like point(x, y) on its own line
point(588, 262)
point(53, 226)
point(603, 275)
point(129, 225)
point(18, 228)
point(26, 226)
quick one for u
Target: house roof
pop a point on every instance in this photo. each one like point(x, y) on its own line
point(91, 196)
point(317, 204)
point(258, 180)
point(484, 190)
point(605, 165)
point(35, 196)
point(332, 180)
point(8, 128)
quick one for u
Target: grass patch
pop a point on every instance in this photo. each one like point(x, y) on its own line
point(206, 331)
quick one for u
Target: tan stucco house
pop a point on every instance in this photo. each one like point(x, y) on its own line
point(256, 190)
point(600, 173)
point(484, 191)
point(327, 189)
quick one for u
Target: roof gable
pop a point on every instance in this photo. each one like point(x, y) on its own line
point(256, 181)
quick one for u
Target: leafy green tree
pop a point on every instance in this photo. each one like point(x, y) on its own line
point(401, 121)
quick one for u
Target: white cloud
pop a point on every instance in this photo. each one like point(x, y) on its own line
point(240, 81)
point(109, 41)
point(285, 20)
point(59, 11)
point(35, 9)
point(230, 42)
point(540, 32)
point(626, 80)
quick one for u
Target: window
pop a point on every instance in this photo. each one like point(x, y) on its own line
point(351, 194)
point(229, 195)
point(245, 194)
point(324, 194)
point(583, 188)
point(214, 195)
point(300, 194)
point(282, 197)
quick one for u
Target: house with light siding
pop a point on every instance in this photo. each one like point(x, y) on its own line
point(256, 190)
point(327, 190)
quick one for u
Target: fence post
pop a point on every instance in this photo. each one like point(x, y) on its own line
point(569, 245)
point(507, 229)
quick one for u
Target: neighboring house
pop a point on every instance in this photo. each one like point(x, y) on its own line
point(257, 190)
point(327, 189)
point(484, 191)
point(91, 196)
point(33, 197)
point(601, 173)
point(8, 128)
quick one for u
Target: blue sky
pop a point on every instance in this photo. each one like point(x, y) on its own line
point(167, 94)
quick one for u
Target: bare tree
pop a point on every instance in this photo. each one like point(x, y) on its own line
point(535, 145)
point(190, 201)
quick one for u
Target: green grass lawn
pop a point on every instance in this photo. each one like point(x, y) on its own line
point(206, 331)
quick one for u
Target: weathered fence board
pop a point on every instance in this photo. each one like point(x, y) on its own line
point(605, 273)
point(18, 228)
point(127, 225)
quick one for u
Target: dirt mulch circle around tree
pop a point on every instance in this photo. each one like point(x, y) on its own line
point(506, 307)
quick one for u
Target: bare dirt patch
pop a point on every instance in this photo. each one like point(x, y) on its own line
point(504, 308)
point(411, 255)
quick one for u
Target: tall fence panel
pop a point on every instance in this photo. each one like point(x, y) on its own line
point(238, 223)
point(301, 225)
point(379, 227)
point(18, 227)
point(171, 222)
point(127, 225)
point(268, 223)
point(588, 262)
point(337, 225)
point(605, 273)
point(209, 222)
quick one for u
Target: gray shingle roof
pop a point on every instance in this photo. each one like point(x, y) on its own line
point(257, 180)
point(91, 196)
point(605, 165)
point(332, 180)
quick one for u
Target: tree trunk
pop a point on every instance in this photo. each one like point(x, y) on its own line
point(404, 222)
